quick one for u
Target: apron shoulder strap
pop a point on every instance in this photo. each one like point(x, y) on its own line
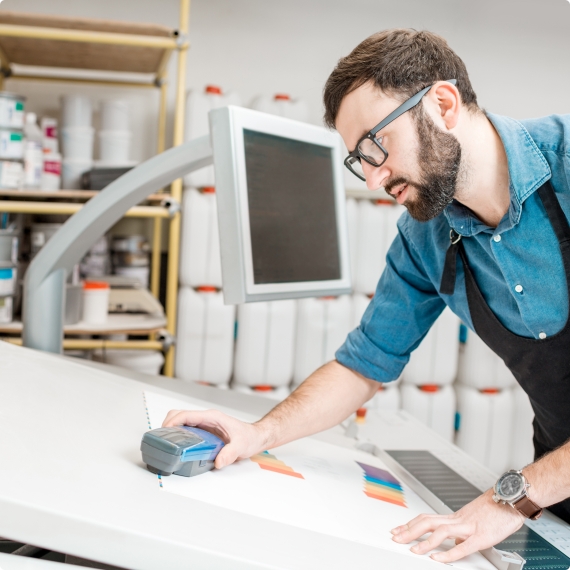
point(555, 213)
point(448, 278)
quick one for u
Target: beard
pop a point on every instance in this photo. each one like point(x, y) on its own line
point(439, 158)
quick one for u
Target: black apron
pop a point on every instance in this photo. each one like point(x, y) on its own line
point(542, 367)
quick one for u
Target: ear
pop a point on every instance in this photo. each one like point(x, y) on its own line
point(444, 104)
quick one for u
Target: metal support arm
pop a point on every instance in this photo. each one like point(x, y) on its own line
point(44, 286)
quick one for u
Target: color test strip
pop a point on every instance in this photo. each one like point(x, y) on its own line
point(269, 462)
point(382, 485)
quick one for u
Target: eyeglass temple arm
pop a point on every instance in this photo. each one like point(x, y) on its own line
point(411, 102)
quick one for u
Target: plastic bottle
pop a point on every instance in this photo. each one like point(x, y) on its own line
point(33, 152)
point(95, 302)
point(386, 398)
point(435, 359)
point(198, 104)
point(322, 326)
point(376, 230)
point(479, 367)
point(283, 105)
point(485, 425)
point(522, 446)
point(265, 343)
point(432, 405)
point(205, 336)
point(200, 261)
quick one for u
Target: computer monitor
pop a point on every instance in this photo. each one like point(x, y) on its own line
point(281, 207)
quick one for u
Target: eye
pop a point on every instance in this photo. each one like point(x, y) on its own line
point(379, 138)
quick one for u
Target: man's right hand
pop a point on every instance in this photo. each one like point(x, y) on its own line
point(242, 439)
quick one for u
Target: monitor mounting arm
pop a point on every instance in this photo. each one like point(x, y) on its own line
point(44, 285)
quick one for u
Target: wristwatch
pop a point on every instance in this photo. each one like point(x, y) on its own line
point(510, 489)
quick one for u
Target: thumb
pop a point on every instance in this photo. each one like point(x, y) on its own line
point(228, 454)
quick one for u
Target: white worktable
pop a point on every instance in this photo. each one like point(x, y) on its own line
point(72, 480)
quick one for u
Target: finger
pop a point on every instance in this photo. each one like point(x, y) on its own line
point(191, 418)
point(409, 524)
point(426, 523)
point(443, 532)
point(468, 546)
point(227, 456)
point(169, 415)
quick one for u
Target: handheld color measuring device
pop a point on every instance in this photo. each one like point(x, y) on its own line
point(182, 450)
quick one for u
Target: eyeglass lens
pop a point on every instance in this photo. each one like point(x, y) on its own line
point(371, 152)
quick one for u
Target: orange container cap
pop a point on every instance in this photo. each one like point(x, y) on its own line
point(382, 202)
point(96, 285)
point(327, 298)
point(207, 289)
point(429, 388)
point(361, 413)
point(208, 190)
point(281, 97)
point(381, 387)
point(263, 388)
point(489, 391)
point(214, 89)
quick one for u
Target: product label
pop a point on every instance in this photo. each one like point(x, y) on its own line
point(11, 113)
point(11, 145)
point(50, 132)
point(53, 167)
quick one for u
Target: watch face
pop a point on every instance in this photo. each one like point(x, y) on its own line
point(510, 485)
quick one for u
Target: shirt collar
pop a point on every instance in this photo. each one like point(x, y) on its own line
point(528, 171)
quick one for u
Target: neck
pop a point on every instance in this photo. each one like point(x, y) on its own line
point(484, 184)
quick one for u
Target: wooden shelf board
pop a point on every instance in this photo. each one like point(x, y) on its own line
point(64, 194)
point(80, 54)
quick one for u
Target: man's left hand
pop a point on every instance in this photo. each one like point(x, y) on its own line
point(478, 525)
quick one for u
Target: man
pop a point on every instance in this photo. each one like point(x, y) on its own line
point(486, 233)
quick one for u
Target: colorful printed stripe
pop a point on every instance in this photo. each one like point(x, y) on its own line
point(382, 485)
point(269, 462)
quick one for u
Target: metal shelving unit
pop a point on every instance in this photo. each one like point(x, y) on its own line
point(56, 44)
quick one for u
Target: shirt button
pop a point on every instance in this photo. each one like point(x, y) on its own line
point(519, 288)
point(542, 335)
point(497, 238)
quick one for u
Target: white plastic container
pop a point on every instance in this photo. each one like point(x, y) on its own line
point(198, 104)
point(114, 115)
point(386, 398)
point(360, 303)
point(6, 309)
point(522, 452)
point(95, 302)
point(322, 326)
point(33, 152)
point(51, 172)
point(76, 111)
point(479, 367)
point(7, 281)
point(71, 172)
point(352, 227)
point(205, 336)
point(485, 426)
point(277, 394)
point(435, 360)
point(200, 260)
point(265, 343)
point(41, 234)
point(11, 174)
point(11, 110)
point(283, 105)
point(77, 143)
point(146, 361)
point(115, 147)
point(49, 135)
point(376, 230)
point(11, 144)
point(432, 405)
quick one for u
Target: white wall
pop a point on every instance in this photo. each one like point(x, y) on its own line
point(516, 50)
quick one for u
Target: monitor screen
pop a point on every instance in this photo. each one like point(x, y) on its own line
point(292, 210)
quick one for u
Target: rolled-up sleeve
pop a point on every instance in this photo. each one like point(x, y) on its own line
point(403, 309)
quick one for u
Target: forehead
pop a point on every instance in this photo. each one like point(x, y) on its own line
point(361, 110)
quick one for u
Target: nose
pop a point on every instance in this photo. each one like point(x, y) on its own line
point(375, 175)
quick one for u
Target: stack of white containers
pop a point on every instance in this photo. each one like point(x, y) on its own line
point(114, 135)
point(495, 417)
point(205, 332)
point(77, 136)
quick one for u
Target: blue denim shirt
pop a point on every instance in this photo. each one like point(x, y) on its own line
point(521, 250)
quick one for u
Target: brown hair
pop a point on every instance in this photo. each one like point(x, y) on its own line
point(400, 62)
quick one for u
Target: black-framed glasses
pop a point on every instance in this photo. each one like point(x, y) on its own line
point(369, 147)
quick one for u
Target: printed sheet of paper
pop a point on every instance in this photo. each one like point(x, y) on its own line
point(308, 484)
